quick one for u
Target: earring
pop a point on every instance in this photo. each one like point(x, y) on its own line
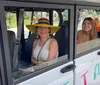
point(48, 36)
point(37, 36)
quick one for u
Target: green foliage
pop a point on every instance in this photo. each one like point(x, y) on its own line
point(11, 22)
point(26, 21)
point(56, 19)
point(98, 13)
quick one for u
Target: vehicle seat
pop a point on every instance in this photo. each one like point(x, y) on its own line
point(62, 38)
point(11, 41)
point(28, 48)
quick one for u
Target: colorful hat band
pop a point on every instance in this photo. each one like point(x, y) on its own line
point(43, 23)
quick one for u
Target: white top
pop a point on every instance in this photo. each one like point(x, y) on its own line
point(43, 55)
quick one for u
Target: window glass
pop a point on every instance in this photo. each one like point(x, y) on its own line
point(88, 30)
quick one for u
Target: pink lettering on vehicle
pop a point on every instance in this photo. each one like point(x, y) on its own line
point(84, 78)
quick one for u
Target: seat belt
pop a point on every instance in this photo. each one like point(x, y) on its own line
point(17, 45)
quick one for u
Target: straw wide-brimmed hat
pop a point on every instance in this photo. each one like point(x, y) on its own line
point(43, 22)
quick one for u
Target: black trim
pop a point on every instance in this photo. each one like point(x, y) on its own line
point(75, 32)
point(2, 60)
point(81, 2)
point(5, 47)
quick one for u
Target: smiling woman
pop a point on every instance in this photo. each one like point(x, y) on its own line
point(44, 48)
point(88, 31)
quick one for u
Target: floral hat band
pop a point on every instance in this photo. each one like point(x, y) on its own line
point(43, 22)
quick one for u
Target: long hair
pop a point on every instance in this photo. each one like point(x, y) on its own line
point(93, 31)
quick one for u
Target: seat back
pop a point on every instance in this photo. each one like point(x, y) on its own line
point(62, 38)
point(28, 47)
point(11, 41)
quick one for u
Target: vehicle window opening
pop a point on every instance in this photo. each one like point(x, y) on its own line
point(91, 16)
point(57, 17)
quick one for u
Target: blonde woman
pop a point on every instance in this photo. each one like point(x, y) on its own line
point(45, 48)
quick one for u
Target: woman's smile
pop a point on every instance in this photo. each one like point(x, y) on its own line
point(43, 31)
point(87, 25)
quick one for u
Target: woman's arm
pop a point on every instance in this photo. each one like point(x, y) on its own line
point(34, 61)
point(53, 49)
point(78, 35)
point(77, 41)
point(80, 39)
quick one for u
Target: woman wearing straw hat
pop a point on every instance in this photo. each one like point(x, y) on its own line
point(44, 48)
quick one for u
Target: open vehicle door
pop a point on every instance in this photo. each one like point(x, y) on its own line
point(58, 71)
point(87, 59)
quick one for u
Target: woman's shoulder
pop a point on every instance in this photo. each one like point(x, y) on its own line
point(35, 42)
point(53, 41)
point(80, 31)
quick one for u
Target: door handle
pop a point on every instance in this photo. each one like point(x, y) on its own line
point(98, 53)
point(68, 68)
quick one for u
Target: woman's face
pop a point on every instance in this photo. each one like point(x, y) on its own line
point(87, 25)
point(43, 31)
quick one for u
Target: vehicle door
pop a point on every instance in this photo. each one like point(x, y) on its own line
point(87, 58)
point(57, 71)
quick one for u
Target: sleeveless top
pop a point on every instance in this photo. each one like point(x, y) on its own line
point(43, 55)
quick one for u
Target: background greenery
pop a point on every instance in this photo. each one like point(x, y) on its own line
point(12, 22)
point(11, 17)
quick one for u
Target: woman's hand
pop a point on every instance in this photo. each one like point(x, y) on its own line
point(35, 61)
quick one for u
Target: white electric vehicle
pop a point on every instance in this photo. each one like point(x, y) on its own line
point(77, 64)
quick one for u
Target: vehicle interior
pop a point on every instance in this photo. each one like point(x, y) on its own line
point(21, 40)
point(17, 42)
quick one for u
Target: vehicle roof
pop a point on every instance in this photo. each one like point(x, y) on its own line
point(90, 2)
point(68, 2)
